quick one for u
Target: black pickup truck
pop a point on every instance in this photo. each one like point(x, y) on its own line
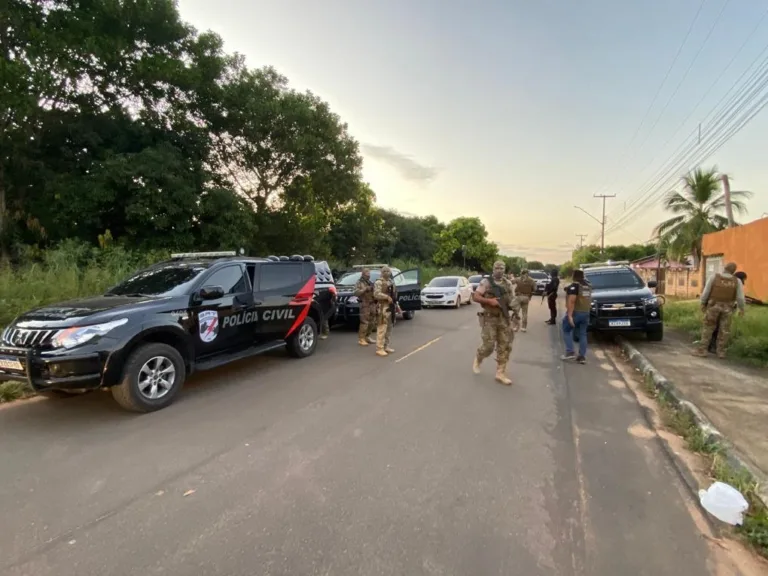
point(147, 334)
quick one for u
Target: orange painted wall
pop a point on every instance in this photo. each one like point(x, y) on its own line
point(747, 246)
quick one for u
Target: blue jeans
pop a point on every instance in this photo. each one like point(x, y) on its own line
point(581, 321)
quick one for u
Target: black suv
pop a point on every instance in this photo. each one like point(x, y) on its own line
point(621, 301)
point(407, 282)
point(144, 336)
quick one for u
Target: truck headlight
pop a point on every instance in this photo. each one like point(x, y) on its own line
point(71, 337)
point(652, 301)
point(353, 300)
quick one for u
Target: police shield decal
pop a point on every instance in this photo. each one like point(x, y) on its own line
point(208, 323)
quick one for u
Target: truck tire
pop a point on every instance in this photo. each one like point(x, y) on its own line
point(152, 376)
point(303, 342)
point(408, 315)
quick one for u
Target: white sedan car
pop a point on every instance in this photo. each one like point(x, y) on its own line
point(444, 291)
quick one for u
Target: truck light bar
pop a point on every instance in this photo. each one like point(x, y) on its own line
point(608, 263)
point(203, 254)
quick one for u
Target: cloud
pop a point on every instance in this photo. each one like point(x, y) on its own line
point(547, 254)
point(408, 168)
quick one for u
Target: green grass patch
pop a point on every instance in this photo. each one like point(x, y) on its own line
point(749, 335)
point(10, 391)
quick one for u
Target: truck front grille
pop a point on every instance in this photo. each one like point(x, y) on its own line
point(26, 338)
point(621, 310)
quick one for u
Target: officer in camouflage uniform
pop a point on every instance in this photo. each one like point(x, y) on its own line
point(368, 308)
point(525, 286)
point(720, 296)
point(496, 330)
point(385, 294)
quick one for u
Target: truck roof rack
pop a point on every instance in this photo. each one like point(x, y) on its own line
point(607, 263)
point(294, 258)
point(223, 254)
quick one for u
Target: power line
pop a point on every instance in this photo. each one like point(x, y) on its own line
point(740, 98)
point(663, 82)
point(581, 238)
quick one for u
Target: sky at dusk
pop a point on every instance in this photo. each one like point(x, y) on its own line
point(516, 111)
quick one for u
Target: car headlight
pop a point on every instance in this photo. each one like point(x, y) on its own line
point(353, 300)
point(71, 337)
point(652, 301)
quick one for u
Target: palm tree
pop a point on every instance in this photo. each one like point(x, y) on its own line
point(698, 209)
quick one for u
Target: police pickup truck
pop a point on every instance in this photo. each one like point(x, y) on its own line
point(147, 334)
point(621, 301)
point(407, 283)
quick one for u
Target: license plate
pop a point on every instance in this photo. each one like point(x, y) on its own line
point(619, 323)
point(10, 364)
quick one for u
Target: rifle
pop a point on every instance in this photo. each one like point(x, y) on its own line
point(503, 303)
point(393, 304)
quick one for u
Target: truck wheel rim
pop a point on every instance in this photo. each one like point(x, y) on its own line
point(306, 337)
point(156, 377)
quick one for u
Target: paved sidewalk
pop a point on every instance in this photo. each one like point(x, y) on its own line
point(733, 397)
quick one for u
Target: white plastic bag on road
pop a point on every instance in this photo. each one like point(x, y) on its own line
point(724, 502)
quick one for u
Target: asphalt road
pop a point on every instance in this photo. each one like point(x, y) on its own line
point(346, 463)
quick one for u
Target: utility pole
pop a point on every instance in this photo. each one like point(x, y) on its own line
point(727, 197)
point(602, 224)
point(581, 238)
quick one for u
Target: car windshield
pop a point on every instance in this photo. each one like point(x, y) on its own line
point(443, 282)
point(352, 278)
point(617, 279)
point(538, 275)
point(475, 279)
point(168, 280)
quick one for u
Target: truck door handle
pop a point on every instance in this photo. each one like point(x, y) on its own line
point(258, 303)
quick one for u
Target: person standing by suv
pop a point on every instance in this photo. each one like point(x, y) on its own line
point(385, 295)
point(578, 301)
point(713, 341)
point(525, 286)
point(551, 293)
point(364, 293)
point(722, 293)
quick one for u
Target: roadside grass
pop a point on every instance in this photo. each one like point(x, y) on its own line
point(749, 335)
point(681, 421)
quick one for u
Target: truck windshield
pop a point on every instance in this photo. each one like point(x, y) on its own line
point(170, 280)
point(618, 279)
point(538, 275)
point(351, 279)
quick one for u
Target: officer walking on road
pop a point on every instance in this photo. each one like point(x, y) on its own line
point(722, 293)
point(525, 286)
point(551, 292)
point(578, 301)
point(492, 294)
point(368, 316)
point(385, 294)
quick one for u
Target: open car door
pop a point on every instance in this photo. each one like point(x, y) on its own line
point(408, 285)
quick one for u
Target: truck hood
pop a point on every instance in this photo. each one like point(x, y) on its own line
point(610, 295)
point(87, 311)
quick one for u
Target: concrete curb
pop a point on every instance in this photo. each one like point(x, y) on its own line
point(712, 434)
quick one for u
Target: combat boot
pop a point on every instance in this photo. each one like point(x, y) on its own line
point(363, 342)
point(476, 365)
point(370, 340)
point(381, 353)
point(389, 350)
point(501, 378)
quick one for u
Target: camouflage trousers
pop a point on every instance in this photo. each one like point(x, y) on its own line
point(496, 333)
point(522, 309)
point(368, 319)
point(384, 328)
point(716, 312)
point(325, 328)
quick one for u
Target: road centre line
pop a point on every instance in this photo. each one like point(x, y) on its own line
point(419, 349)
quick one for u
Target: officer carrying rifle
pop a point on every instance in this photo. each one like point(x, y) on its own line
point(494, 294)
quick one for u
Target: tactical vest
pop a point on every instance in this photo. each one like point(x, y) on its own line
point(723, 290)
point(505, 287)
point(526, 286)
point(583, 299)
point(367, 297)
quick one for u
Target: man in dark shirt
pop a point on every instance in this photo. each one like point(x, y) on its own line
point(551, 293)
point(578, 301)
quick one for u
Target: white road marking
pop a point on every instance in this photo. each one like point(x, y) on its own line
point(419, 349)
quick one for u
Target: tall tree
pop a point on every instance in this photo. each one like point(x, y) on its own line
point(698, 209)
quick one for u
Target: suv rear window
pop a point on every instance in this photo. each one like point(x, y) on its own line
point(614, 279)
point(280, 275)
